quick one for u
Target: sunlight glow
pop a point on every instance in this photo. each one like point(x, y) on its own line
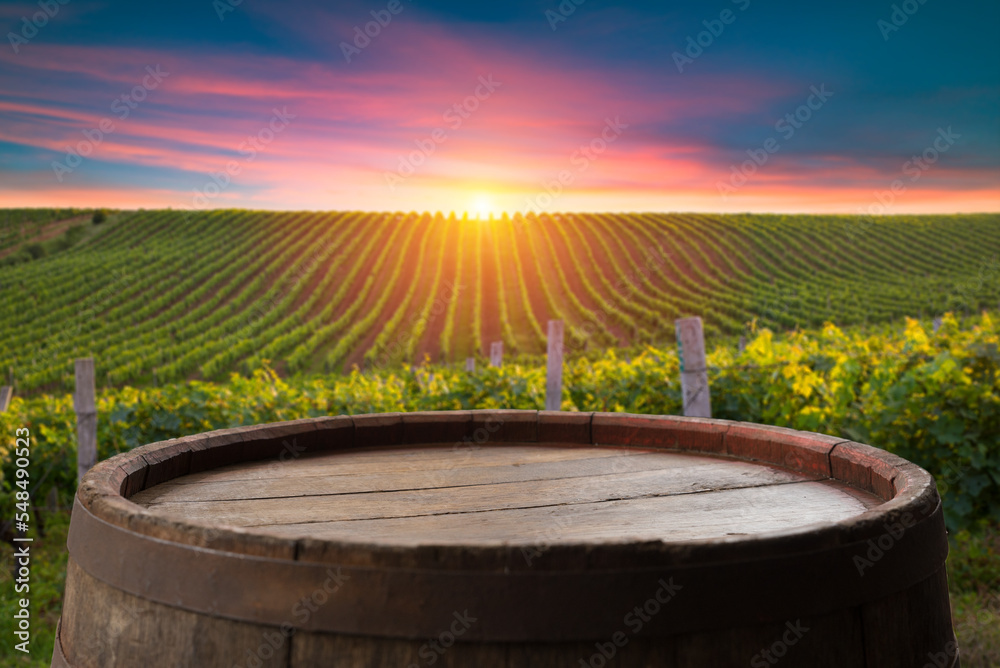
point(482, 207)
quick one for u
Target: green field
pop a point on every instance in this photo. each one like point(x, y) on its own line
point(20, 227)
point(931, 397)
point(226, 318)
point(163, 296)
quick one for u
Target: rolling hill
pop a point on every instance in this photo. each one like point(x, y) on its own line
point(161, 296)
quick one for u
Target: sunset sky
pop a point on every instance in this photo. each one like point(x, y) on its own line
point(484, 107)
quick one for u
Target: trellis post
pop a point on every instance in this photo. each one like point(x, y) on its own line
point(553, 383)
point(86, 417)
point(694, 370)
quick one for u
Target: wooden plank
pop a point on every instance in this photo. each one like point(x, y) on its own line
point(684, 480)
point(378, 429)
point(660, 431)
point(833, 640)
point(912, 627)
point(317, 649)
point(637, 652)
point(694, 370)
point(103, 626)
point(452, 427)
point(829, 641)
point(305, 483)
point(503, 426)
point(86, 417)
point(398, 460)
point(474, 466)
point(797, 450)
point(6, 393)
point(553, 380)
point(407, 515)
point(564, 427)
point(722, 513)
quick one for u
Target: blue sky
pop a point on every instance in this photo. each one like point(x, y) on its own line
point(360, 132)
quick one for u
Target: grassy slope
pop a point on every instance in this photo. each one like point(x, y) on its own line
point(950, 366)
point(783, 271)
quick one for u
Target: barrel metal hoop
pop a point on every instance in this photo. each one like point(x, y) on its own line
point(508, 606)
point(58, 658)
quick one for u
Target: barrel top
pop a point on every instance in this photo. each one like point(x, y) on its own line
point(469, 489)
point(521, 515)
point(514, 493)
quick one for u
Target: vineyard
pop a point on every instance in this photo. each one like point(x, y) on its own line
point(19, 226)
point(228, 318)
point(164, 296)
point(930, 396)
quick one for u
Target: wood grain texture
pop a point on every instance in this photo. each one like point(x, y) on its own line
point(113, 629)
point(827, 641)
point(496, 354)
point(911, 627)
point(661, 431)
point(432, 512)
point(687, 517)
point(513, 494)
point(453, 470)
point(694, 373)
point(86, 416)
point(563, 427)
point(391, 461)
point(554, 367)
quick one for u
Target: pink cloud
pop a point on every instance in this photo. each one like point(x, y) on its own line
point(354, 124)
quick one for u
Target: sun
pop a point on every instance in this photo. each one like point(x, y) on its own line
point(482, 207)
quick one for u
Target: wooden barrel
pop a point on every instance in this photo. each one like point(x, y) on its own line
point(506, 538)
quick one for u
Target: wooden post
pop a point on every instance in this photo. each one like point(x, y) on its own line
point(86, 417)
point(6, 392)
point(937, 323)
point(742, 345)
point(470, 364)
point(496, 354)
point(694, 371)
point(52, 500)
point(553, 383)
